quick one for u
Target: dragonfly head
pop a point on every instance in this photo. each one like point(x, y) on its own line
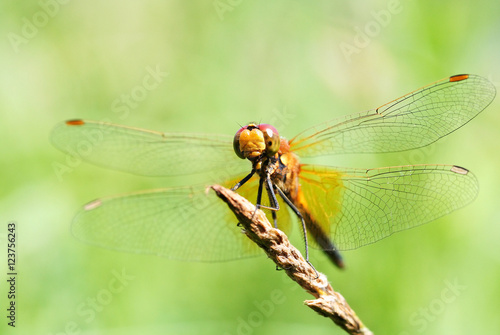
point(254, 140)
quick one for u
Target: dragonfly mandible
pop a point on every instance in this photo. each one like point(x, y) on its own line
point(340, 208)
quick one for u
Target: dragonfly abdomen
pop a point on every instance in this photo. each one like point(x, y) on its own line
point(315, 230)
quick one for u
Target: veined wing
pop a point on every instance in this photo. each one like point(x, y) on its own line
point(359, 207)
point(412, 121)
point(146, 152)
point(186, 223)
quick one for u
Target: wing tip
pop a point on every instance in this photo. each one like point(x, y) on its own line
point(92, 205)
point(459, 170)
point(459, 77)
point(74, 122)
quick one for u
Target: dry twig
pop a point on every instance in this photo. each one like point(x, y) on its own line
point(277, 246)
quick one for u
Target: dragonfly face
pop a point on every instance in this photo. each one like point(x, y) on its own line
point(254, 141)
point(341, 208)
point(261, 145)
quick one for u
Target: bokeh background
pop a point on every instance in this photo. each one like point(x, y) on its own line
point(224, 63)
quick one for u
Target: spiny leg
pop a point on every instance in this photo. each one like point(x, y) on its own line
point(273, 201)
point(304, 230)
point(243, 181)
point(259, 197)
point(259, 194)
point(274, 205)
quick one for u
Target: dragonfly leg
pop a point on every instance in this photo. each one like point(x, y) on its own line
point(274, 206)
point(275, 220)
point(273, 201)
point(243, 181)
point(304, 230)
point(259, 195)
point(299, 214)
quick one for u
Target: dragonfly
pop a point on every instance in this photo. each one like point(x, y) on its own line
point(340, 208)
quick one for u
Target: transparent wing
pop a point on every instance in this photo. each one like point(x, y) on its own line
point(359, 207)
point(412, 121)
point(190, 224)
point(147, 152)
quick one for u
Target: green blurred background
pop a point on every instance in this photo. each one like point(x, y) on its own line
point(229, 62)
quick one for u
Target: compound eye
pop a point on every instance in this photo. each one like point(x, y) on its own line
point(272, 139)
point(236, 143)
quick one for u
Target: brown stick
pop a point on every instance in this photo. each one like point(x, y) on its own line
point(277, 246)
